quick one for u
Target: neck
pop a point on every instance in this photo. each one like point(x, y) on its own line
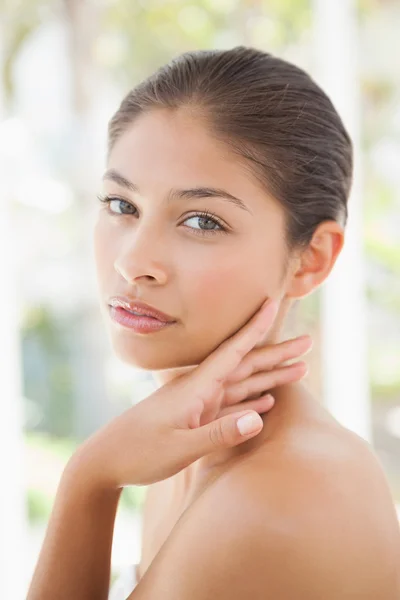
point(196, 476)
point(193, 479)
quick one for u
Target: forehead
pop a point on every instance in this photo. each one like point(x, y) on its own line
point(162, 131)
point(170, 148)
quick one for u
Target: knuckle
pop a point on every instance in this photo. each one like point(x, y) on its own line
point(247, 388)
point(250, 367)
point(268, 380)
point(215, 388)
point(284, 354)
point(234, 393)
point(244, 369)
point(287, 373)
point(239, 351)
point(289, 354)
point(281, 376)
point(229, 396)
point(267, 359)
point(242, 390)
point(217, 383)
point(274, 380)
point(216, 434)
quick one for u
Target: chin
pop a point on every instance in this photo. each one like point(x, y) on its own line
point(151, 360)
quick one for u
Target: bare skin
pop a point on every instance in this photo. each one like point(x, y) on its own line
point(305, 455)
point(299, 511)
point(192, 280)
point(309, 477)
point(210, 283)
point(184, 420)
point(166, 150)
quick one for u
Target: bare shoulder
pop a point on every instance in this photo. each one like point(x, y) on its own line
point(324, 496)
point(306, 516)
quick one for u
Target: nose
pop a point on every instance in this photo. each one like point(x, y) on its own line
point(142, 255)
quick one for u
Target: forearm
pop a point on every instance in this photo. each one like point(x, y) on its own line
point(75, 559)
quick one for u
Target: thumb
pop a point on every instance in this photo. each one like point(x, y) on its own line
point(226, 432)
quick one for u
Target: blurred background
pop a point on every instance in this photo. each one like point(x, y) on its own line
point(65, 66)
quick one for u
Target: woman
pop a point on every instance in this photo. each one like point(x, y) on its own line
point(225, 200)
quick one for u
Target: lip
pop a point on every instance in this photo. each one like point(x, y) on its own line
point(147, 310)
point(137, 324)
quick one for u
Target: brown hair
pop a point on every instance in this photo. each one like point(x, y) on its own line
point(272, 115)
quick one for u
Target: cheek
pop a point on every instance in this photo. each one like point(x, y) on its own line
point(223, 292)
point(233, 275)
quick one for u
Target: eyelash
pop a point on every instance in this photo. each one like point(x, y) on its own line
point(202, 214)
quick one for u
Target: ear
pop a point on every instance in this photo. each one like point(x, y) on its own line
point(314, 263)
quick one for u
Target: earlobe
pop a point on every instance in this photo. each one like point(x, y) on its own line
point(302, 285)
point(317, 260)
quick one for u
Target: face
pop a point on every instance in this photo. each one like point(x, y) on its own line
point(209, 272)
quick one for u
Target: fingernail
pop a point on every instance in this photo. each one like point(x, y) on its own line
point(249, 423)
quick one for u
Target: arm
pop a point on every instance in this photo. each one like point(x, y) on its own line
point(179, 423)
point(77, 547)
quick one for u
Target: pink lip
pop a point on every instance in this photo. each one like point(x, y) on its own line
point(139, 324)
point(129, 304)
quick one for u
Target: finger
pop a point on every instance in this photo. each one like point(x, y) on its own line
point(220, 363)
point(261, 405)
point(260, 382)
point(268, 357)
point(222, 433)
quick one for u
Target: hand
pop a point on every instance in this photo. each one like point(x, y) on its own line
point(195, 413)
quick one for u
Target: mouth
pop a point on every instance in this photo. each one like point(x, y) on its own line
point(137, 323)
point(132, 312)
point(139, 309)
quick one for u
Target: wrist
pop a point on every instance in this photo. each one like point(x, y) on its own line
point(83, 474)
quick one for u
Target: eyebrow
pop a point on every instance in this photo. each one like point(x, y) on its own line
point(188, 194)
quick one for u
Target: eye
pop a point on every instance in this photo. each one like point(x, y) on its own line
point(210, 222)
point(113, 201)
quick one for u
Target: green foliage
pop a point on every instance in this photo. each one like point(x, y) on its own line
point(61, 447)
point(380, 204)
point(47, 370)
point(20, 19)
point(39, 506)
point(388, 254)
point(385, 393)
point(138, 37)
point(148, 34)
point(133, 497)
point(39, 320)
